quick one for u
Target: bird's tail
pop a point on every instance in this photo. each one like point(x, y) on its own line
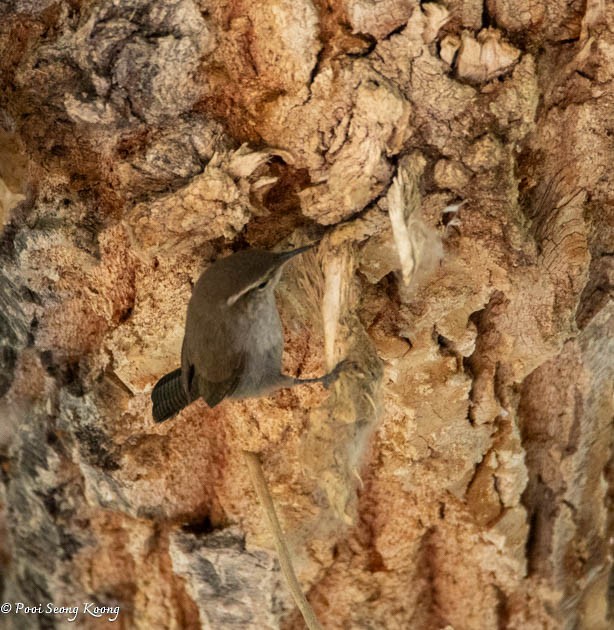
point(168, 396)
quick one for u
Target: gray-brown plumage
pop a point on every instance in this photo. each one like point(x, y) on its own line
point(233, 340)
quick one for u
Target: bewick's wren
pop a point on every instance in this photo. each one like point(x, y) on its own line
point(233, 340)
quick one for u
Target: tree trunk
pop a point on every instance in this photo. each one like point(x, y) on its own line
point(454, 162)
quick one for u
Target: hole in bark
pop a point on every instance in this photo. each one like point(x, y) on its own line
point(32, 331)
point(51, 505)
point(390, 287)
point(531, 543)
point(445, 345)
point(396, 31)
point(200, 527)
point(467, 368)
point(370, 43)
point(284, 207)
point(486, 17)
point(585, 75)
point(125, 315)
point(503, 614)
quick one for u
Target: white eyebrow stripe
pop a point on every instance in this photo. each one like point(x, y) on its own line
point(233, 298)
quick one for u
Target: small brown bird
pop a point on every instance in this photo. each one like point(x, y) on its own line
point(233, 342)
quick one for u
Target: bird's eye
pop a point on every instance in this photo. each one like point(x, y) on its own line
point(262, 285)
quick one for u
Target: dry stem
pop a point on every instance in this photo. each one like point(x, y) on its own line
point(262, 490)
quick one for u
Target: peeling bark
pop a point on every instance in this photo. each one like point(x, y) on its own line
point(454, 161)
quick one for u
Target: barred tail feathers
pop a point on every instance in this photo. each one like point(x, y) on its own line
point(168, 396)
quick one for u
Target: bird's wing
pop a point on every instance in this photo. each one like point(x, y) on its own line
point(214, 392)
point(206, 378)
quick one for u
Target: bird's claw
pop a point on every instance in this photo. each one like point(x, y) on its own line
point(333, 375)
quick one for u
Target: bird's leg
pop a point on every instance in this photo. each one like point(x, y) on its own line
point(328, 379)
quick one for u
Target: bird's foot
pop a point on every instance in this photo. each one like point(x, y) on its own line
point(328, 379)
point(332, 376)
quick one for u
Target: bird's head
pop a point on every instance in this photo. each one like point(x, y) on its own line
point(247, 275)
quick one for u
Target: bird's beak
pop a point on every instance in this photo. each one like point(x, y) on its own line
point(286, 256)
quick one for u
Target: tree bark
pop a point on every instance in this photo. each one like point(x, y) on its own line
point(454, 161)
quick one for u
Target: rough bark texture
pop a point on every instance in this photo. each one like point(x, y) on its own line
point(462, 476)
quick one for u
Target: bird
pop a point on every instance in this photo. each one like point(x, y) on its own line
point(233, 341)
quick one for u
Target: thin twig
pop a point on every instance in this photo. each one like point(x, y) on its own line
point(262, 490)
